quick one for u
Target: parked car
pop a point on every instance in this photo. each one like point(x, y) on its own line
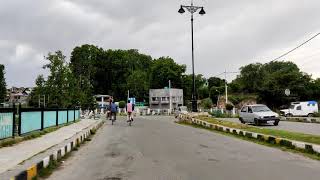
point(258, 114)
point(307, 108)
point(181, 110)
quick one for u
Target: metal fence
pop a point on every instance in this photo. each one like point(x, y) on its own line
point(7, 122)
point(34, 119)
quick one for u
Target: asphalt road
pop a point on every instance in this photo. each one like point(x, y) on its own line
point(155, 148)
point(307, 128)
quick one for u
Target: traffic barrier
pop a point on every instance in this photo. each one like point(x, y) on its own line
point(32, 172)
point(307, 147)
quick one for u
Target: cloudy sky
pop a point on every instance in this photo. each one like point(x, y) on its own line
point(233, 33)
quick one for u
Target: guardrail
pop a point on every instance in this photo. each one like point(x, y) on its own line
point(34, 119)
point(7, 122)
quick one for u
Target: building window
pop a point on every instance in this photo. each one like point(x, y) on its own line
point(163, 99)
point(154, 98)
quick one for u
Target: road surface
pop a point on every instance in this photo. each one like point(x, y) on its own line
point(155, 148)
point(308, 128)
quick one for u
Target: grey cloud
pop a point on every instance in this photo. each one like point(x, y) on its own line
point(230, 35)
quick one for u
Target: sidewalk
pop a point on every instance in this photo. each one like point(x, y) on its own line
point(12, 156)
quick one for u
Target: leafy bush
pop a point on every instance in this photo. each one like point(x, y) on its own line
point(122, 104)
point(219, 114)
point(206, 103)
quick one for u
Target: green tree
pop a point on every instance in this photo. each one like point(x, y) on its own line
point(215, 92)
point(270, 80)
point(39, 90)
point(203, 92)
point(216, 82)
point(165, 69)
point(3, 89)
point(137, 83)
point(251, 77)
point(206, 103)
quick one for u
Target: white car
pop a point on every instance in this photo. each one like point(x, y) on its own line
point(307, 108)
point(258, 114)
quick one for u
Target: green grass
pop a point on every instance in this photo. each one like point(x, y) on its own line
point(257, 141)
point(309, 138)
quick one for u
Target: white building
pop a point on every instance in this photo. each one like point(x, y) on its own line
point(102, 100)
point(160, 98)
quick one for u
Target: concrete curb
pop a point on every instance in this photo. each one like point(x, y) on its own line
point(33, 170)
point(307, 147)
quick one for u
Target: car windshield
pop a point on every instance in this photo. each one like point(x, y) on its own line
point(291, 107)
point(260, 108)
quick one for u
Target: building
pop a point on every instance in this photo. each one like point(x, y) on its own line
point(160, 98)
point(102, 100)
point(18, 95)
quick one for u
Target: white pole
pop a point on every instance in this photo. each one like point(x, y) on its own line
point(170, 103)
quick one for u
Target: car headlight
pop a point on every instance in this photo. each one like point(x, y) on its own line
point(260, 117)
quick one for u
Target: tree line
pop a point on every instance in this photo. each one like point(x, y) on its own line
point(268, 81)
point(93, 70)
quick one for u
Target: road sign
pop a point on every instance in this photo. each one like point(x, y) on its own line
point(287, 92)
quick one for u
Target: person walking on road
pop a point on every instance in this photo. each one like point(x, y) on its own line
point(129, 109)
point(114, 110)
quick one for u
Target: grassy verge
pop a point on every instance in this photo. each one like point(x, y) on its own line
point(32, 135)
point(257, 141)
point(309, 138)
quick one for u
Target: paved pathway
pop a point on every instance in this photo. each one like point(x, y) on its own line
point(12, 156)
point(307, 128)
point(155, 148)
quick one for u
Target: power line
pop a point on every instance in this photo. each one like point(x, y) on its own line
point(296, 47)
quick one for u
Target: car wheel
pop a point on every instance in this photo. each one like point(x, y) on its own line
point(276, 123)
point(241, 120)
point(310, 115)
point(289, 115)
point(256, 122)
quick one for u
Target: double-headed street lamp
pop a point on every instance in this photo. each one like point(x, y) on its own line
point(192, 9)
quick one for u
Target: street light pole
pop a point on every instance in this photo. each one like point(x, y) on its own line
point(192, 9)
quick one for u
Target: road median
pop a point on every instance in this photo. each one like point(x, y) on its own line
point(306, 143)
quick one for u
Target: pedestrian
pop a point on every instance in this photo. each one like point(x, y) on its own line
point(129, 109)
point(114, 110)
point(109, 108)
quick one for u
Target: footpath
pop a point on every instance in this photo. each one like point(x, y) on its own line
point(11, 157)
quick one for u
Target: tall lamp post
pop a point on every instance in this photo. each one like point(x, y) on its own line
point(192, 9)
